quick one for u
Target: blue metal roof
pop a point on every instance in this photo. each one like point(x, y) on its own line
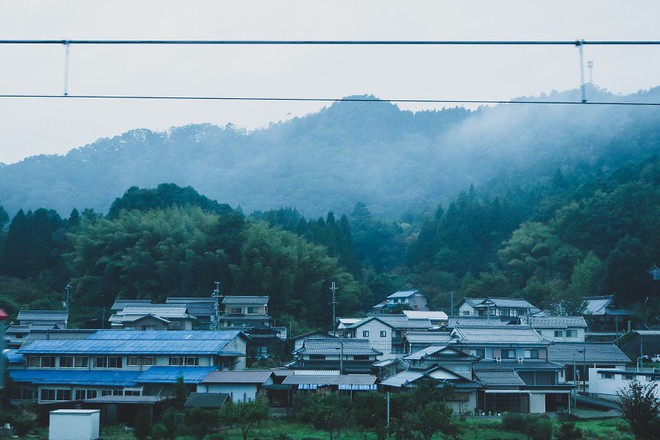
point(115, 342)
point(171, 374)
point(60, 377)
point(12, 356)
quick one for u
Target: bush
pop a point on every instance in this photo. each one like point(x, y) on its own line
point(538, 428)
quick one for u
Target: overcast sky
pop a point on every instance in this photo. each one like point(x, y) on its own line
point(55, 126)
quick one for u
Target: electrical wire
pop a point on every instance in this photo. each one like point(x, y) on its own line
point(328, 100)
point(343, 42)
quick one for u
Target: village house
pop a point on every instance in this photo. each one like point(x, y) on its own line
point(123, 363)
point(344, 355)
point(241, 386)
point(560, 328)
point(605, 383)
point(492, 306)
point(153, 317)
point(402, 300)
point(244, 311)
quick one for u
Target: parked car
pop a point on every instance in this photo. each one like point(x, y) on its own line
point(655, 358)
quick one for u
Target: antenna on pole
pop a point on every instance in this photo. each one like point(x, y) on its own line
point(334, 289)
point(215, 319)
point(67, 297)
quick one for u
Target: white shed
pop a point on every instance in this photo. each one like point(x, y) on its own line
point(74, 424)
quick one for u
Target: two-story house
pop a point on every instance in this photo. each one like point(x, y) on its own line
point(446, 365)
point(492, 306)
point(560, 328)
point(386, 333)
point(402, 300)
point(244, 311)
point(345, 355)
point(125, 363)
point(33, 320)
point(153, 317)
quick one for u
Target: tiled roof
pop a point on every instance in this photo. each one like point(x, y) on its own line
point(245, 300)
point(603, 305)
point(479, 321)
point(403, 378)
point(167, 311)
point(506, 378)
point(43, 315)
point(201, 307)
point(332, 346)
point(420, 314)
point(76, 377)
point(567, 353)
point(171, 374)
point(397, 322)
point(206, 400)
point(431, 338)
point(403, 294)
point(513, 364)
point(498, 335)
point(244, 376)
point(344, 379)
point(440, 352)
point(513, 303)
point(138, 342)
point(558, 322)
point(121, 303)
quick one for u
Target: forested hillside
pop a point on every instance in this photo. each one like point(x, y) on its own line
point(583, 232)
point(394, 162)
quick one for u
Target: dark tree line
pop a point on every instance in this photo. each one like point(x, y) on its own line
point(582, 232)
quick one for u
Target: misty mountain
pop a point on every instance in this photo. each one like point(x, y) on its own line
point(393, 161)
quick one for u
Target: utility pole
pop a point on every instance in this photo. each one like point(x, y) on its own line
point(334, 289)
point(215, 319)
point(67, 297)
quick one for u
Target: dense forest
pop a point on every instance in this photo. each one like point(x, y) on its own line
point(393, 161)
point(585, 231)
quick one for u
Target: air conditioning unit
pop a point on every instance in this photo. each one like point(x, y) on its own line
point(520, 359)
point(498, 359)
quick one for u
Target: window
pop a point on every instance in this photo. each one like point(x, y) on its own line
point(607, 375)
point(48, 361)
point(481, 352)
point(192, 361)
point(133, 361)
point(66, 361)
point(466, 313)
point(571, 333)
point(85, 394)
point(108, 362)
point(149, 361)
point(365, 333)
point(361, 357)
point(253, 310)
point(34, 361)
point(176, 360)
point(316, 357)
point(628, 377)
point(507, 354)
point(55, 394)
point(236, 310)
point(531, 354)
point(383, 333)
point(80, 361)
point(559, 334)
point(132, 393)
point(505, 312)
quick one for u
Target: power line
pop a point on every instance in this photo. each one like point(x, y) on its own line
point(321, 99)
point(340, 42)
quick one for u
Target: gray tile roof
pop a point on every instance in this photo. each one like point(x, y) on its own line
point(603, 305)
point(206, 400)
point(403, 294)
point(245, 300)
point(567, 353)
point(167, 311)
point(513, 364)
point(121, 303)
point(479, 321)
point(397, 322)
point(499, 335)
point(558, 322)
point(403, 378)
point(344, 379)
point(431, 338)
point(43, 315)
point(242, 376)
point(501, 378)
point(439, 353)
point(514, 303)
point(332, 346)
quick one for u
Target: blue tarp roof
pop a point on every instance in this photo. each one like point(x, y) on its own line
point(171, 374)
point(111, 342)
point(59, 377)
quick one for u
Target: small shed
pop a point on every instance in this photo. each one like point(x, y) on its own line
point(74, 424)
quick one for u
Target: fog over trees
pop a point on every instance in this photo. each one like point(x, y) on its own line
point(547, 203)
